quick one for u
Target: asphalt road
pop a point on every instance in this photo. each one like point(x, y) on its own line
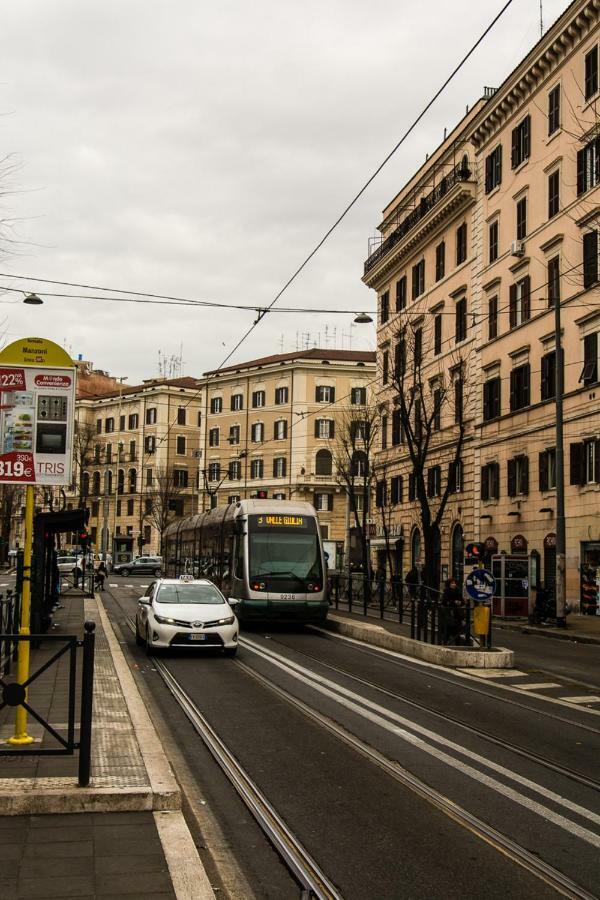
point(478, 743)
point(580, 663)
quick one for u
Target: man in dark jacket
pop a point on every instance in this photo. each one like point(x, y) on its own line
point(451, 613)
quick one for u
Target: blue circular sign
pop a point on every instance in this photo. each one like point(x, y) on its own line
point(480, 585)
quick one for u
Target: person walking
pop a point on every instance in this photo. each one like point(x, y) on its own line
point(451, 613)
point(101, 575)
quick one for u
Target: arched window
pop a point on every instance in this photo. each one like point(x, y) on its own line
point(96, 483)
point(120, 481)
point(85, 484)
point(323, 463)
point(415, 547)
point(132, 481)
point(108, 482)
point(458, 553)
point(360, 463)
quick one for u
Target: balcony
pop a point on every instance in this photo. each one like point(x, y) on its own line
point(459, 174)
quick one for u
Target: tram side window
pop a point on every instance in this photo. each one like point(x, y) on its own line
point(239, 556)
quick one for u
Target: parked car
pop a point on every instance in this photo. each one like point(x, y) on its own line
point(186, 612)
point(66, 564)
point(143, 565)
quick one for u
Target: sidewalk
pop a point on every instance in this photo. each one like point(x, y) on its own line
point(122, 836)
point(583, 629)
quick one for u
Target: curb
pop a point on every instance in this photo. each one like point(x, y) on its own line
point(432, 653)
point(553, 633)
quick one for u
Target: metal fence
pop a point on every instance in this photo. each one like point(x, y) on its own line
point(9, 626)
point(419, 608)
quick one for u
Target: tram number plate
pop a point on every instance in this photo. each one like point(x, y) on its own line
point(288, 597)
point(197, 637)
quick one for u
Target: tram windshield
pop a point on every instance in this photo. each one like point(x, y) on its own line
point(284, 548)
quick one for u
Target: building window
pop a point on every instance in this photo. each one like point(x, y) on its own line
point(133, 421)
point(216, 405)
point(437, 334)
point(589, 374)
point(519, 307)
point(281, 395)
point(257, 432)
point(585, 462)
point(440, 261)
point(258, 399)
point(493, 241)
point(130, 507)
point(214, 471)
point(521, 218)
point(323, 502)
point(324, 428)
point(436, 420)
point(384, 432)
point(109, 426)
point(520, 387)
point(521, 142)
point(281, 496)
point(385, 366)
point(396, 490)
point(98, 426)
point(547, 469)
point(151, 416)
point(418, 347)
point(180, 478)
point(460, 330)
point(358, 396)
point(455, 477)
point(461, 243)
point(401, 294)
point(279, 467)
point(181, 415)
point(590, 258)
point(434, 481)
point(588, 166)
point(381, 493)
point(518, 476)
point(412, 487)
point(149, 477)
point(237, 402)
point(199, 418)
point(553, 194)
point(234, 471)
point(147, 534)
point(554, 110)
point(213, 437)
point(553, 281)
point(418, 279)
point(548, 381)
point(119, 508)
point(384, 307)
point(149, 444)
point(493, 169)
point(280, 430)
point(122, 423)
point(132, 450)
point(400, 359)
point(324, 394)
point(591, 73)
point(323, 462)
point(180, 445)
point(234, 434)
point(492, 318)
point(458, 401)
point(491, 398)
point(396, 428)
point(490, 481)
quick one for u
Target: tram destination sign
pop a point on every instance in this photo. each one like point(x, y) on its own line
point(277, 521)
point(37, 406)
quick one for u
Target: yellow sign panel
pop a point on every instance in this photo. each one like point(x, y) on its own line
point(35, 351)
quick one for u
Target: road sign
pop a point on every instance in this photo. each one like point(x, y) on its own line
point(37, 413)
point(480, 585)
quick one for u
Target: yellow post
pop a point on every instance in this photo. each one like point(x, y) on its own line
point(20, 736)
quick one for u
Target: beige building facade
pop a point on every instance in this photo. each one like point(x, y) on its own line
point(271, 430)
point(527, 190)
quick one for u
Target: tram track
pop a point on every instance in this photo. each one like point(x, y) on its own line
point(523, 752)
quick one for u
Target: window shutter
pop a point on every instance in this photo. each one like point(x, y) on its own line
point(513, 390)
point(331, 429)
point(515, 148)
point(597, 160)
point(512, 306)
point(526, 137)
point(274, 430)
point(400, 489)
point(486, 401)
point(512, 478)
point(590, 258)
point(317, 427)
point(580, 172)
point(284, 468)
point(496, 481)
point(526, 301)
point(543, 469)
point(498, 162)
point(485, 490)
point(545, 385)
point(590, 358)
point(332, 391)
point(430, 482)
point(285, 429)
point(489, 167)
point(597, 461)
point(274, 468)
point(525, 478)
point(577, 464)
point(527, 384)
point(330, 502)
point(317, 394)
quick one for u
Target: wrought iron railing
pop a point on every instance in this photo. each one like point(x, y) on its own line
point(9, 626)
point(458, 174)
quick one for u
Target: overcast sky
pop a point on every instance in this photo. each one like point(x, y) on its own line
point(202, 150)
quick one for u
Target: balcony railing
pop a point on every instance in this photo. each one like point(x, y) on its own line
point(459, 173)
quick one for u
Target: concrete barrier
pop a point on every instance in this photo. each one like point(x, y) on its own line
point(453, 657)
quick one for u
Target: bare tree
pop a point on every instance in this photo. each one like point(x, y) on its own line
point(164, 500)
point(83, 441)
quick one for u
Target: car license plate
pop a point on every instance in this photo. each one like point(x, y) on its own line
point(197, 637)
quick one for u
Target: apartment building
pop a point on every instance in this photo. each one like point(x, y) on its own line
point(271, 430)
point(136, 458)
point(521, 172)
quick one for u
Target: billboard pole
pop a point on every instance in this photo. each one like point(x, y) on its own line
point(20, 737)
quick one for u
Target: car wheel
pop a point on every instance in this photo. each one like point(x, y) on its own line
point(124, 572)
point(138, 638)
point(158, 573)
point(230, 651)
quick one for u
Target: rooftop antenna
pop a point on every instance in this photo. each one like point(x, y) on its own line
point(541, 18)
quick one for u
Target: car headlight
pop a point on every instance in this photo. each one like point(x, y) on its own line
point(228, 621)
point(163, 620)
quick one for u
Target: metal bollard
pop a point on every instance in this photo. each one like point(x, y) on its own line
point(87, 698)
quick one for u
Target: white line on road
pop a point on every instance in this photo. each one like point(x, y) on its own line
point(113, 585)
point(494, 673)
point(588, 699)
point(538, 687)
point(379, 715)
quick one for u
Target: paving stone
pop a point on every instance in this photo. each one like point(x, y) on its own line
point(115, 865)
point(50, 888)
point(103, 847)
point(141, 884)
point(127, 818)
point(55, 868)
point(8, 888)
point(59, 834)
point(11, 851)
point(48, 851)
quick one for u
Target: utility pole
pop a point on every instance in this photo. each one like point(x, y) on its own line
point(561, 544)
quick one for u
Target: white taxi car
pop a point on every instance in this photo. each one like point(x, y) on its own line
point(185, 612)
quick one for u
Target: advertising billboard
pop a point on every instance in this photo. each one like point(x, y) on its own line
point(37, 413)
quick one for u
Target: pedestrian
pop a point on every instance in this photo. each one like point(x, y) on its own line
point(451, 614)
point(79, 572)
point(101, 575)
point(412, 582)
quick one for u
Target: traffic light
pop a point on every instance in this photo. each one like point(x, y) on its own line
point(474, 553)
point(84, 539)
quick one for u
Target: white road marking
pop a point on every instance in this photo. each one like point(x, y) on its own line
point(588, 699)
point(494, 673)
point(113, 585)
point(381, 716)
point(538, 687)
point(129, 585)
point(5, 585)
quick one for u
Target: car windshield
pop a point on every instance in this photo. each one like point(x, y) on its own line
point(189, 593)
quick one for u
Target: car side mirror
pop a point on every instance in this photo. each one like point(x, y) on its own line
point(233, 602)
point(145, 601)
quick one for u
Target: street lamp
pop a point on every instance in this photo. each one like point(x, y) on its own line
point(33, 300)
point(363, 319)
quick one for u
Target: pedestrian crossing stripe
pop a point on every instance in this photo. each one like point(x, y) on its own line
point(538, 687)
point(494, 673)
point(590, 698)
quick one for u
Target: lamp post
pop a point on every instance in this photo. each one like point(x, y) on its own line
point(561, 541)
